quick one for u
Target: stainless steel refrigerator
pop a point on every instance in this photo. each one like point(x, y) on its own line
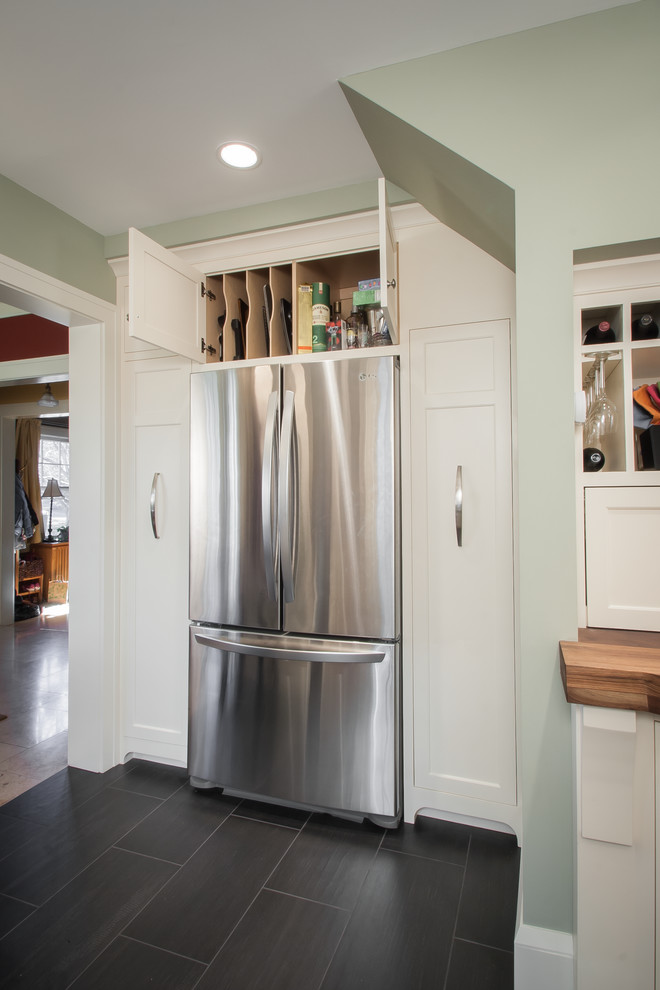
point(294, 584)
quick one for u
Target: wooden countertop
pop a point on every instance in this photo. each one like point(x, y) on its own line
point(613, 668)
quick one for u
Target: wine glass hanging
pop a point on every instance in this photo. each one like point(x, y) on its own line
point(602, 417)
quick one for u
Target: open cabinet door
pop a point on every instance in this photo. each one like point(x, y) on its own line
point(389, 300)
point(166, 303)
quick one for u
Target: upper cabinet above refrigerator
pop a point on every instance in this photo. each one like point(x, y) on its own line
point(237, 297)
point(166, 304)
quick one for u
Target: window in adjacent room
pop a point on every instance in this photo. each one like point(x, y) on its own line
point(54, 463)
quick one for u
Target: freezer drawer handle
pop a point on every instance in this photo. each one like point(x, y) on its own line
point(152, 505)
point(282, 653)
point(287, 493)
point(270, 541)
point(458, 506)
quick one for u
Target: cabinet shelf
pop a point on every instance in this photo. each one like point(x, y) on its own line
point(341, 272)
point(229, 299)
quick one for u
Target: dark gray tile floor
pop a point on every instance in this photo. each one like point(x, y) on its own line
point(131, 879)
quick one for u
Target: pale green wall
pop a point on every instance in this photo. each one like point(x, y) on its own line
point(567, 116)
point(42, 237)
point(280, 213)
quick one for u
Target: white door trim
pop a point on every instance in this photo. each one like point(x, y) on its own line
point(93, 362)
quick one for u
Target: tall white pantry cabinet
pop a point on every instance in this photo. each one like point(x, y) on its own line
point(456, 691)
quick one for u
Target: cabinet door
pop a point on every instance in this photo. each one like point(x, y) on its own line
point(463, 619)
point(388, 267)
point(167, 306)
point(155, 558)
point(622, 532)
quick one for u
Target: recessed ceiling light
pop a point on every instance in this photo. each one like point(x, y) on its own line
point(239, 155)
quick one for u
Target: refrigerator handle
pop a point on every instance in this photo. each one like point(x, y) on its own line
point(284, 497)
point(271, 543)
point(273, 652)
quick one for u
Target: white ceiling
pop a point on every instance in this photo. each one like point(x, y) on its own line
point(113, 109)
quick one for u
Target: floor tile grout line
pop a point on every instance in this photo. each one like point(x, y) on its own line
point(19, 900)
point(428, 859)
point(126, 790)
point(136, 852)
point(160, 948)
point(261, 821)
point(339, 941)
point(14, 927)
point(483, 945)
point(458, 908)
point(104, 851)
point(308, 900)
point(170, 879)
point(238, 922)
point(186, 861)
point(138, 942)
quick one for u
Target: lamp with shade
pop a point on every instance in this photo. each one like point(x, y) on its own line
point(51, 491)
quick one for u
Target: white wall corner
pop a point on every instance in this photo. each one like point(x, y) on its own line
point(543, 959)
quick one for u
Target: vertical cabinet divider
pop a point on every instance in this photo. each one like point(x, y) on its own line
point(255, 281)
point(235, 290)
point(281, 289)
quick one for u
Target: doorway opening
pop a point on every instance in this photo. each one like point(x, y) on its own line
point(91, 372)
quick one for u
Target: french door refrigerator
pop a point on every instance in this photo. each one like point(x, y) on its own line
point(294, 584)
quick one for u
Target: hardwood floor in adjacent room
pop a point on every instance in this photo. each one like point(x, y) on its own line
point(34, 665)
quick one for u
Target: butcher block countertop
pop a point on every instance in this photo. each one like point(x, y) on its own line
point(613, 668)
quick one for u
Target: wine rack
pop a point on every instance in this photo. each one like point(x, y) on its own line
point(630, 362)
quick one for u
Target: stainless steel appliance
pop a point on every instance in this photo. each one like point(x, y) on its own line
point(294, 584)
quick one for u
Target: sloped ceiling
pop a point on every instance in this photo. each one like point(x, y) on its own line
point(457, 192)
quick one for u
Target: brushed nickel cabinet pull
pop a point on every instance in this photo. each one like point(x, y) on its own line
point(152, 505)
point(458, 505)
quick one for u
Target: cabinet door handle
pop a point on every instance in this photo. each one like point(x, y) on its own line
point(152, 505)
point(458, 505)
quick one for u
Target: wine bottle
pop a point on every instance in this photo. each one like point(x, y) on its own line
point(594, 459)
point(320, 314)
point(602, 333)
point(352, 330)
point(644, 328)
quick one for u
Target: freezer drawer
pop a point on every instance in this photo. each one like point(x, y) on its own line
point(297, 720)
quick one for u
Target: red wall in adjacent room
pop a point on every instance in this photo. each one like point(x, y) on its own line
point(31, 336)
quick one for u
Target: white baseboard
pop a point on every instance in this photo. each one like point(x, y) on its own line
point(543, 959)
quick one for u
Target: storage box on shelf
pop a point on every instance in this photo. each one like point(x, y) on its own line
point(29, 577)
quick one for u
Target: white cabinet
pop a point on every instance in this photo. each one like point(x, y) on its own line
point(615, 849)
point(167, 305)
point(175, 305)
point(154, 592)
point(622, 530)
point(462, 637)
